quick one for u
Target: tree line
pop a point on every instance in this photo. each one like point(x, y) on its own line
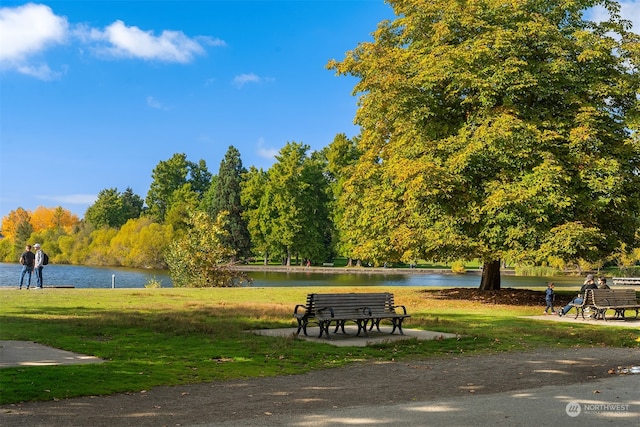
point(487, 131)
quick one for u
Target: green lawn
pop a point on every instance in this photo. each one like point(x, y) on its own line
point(154, 337)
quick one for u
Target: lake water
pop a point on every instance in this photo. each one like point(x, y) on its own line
point(102, 277)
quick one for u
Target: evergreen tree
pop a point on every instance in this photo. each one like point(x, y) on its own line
point(113, 209)
point(227, 198)
point(131, 205)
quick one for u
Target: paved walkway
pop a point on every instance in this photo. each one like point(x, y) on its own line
point(351, 340)
point(27, 353)
point(570, 318)
point(613, 401)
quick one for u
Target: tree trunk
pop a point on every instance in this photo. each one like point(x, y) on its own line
point(490, 276)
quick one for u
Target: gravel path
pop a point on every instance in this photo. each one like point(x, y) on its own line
point(337, 389)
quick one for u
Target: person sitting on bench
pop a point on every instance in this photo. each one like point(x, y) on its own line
point(588, 284)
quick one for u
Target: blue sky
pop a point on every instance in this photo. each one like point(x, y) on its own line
point(93, 94)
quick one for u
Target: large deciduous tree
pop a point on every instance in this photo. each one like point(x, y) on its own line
point(253, 188)
point(495, 130)
point(286, 208)
point(341, 155)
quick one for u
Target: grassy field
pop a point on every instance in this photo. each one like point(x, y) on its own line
point(167, 336)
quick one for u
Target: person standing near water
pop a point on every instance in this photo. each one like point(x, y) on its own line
point(39, 265)
point(26, 259)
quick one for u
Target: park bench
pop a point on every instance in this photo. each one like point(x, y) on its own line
point(626, 281)
point(363, 309)
point(586, 304)
point(619, 300)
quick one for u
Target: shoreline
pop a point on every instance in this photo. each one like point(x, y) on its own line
point(360, 270)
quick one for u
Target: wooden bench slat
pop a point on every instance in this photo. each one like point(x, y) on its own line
point(619, 300)
point(361, 308)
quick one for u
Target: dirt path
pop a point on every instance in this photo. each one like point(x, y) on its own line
point(402, 382)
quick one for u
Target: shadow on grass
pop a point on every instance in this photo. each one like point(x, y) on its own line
point(152, 347)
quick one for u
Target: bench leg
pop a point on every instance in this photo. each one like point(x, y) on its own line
point(324, 328)
point(302, 326)
point(376, 323)
point(397, 323)
point(362, 326)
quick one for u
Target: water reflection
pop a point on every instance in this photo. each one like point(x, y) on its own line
point(270, 279)
point(101, 277)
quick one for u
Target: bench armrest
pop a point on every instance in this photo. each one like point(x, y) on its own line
point(295, 310)
point(404, 309)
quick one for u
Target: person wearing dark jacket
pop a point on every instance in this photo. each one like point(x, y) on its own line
point(588, 284)
point(549, 296)
point(602, 283)
point(27, 259)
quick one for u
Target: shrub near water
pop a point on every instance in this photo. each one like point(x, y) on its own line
point(197, 259)
point(535, 271)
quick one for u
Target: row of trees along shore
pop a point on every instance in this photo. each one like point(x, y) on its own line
point(488, 131)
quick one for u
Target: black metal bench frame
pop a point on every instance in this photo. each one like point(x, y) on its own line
point(587, 303)
point(619, 300)
point(364, 309)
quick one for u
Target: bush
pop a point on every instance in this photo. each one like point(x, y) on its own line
point(458, 267)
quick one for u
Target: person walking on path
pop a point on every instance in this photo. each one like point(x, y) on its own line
point(26, 259)
point(549, 296)
point(39, 265)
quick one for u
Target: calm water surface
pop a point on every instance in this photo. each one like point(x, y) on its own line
point(101, 277)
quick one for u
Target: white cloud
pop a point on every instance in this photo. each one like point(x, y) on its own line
point(42, 71)
point(266, 153)
point(29, 30)
point(26, 31)
point(132, 42)
point(154, 103)
point(72, 199)
point(243, 79)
